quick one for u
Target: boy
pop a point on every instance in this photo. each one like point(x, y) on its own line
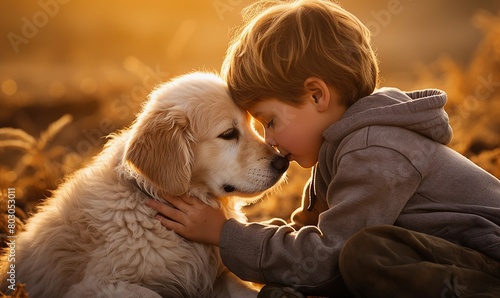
point(400, 214)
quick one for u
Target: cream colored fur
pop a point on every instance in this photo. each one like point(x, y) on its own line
point(96, 238)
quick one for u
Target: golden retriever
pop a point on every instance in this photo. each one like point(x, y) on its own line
point(95, 237)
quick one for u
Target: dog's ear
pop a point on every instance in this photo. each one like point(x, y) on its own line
point(161, 149)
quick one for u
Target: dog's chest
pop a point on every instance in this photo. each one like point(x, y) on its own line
point(140, 250)
point(190, 269)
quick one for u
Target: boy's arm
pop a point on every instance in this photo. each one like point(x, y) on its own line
point(301, 216)
point(373, 194)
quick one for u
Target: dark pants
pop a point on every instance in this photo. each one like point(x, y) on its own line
point(388, 261)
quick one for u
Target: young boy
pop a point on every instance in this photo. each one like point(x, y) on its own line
point(390, 210)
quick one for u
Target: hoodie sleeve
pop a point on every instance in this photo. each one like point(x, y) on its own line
point(371, 187)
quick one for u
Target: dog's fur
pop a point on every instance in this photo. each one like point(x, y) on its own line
point(96, 238)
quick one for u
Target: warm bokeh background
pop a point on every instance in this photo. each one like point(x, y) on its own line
point(97, 60)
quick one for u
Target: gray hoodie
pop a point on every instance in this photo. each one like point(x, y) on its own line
point(384, 163)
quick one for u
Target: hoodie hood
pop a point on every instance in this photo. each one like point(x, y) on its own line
point(419, 111)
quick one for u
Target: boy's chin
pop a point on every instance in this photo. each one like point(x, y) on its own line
point(305, 163)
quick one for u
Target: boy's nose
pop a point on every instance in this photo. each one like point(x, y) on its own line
point(269, 139)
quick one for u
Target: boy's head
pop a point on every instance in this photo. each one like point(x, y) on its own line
point(282, 43)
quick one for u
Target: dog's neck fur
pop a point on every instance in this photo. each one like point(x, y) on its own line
point(134, 182)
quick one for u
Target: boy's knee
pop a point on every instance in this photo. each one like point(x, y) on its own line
point(365, 259)
point(355, 255)
point(366, 254)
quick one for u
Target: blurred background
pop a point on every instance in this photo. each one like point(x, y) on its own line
point(71, 72)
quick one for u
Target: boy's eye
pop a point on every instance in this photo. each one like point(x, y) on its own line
point(270, 124)
point(230, 134)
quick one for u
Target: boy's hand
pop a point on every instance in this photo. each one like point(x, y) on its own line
point(191, 218)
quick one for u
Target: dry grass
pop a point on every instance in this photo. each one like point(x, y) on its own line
point(474, 96)
point(34, 168)
point(19, 292)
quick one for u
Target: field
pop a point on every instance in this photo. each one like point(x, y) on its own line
point(71, 73)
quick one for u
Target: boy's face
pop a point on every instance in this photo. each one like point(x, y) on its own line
point(295, 132)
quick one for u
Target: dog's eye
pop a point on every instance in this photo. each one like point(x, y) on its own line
point(230, 134)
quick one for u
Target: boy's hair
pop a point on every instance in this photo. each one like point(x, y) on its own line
point(282, 43)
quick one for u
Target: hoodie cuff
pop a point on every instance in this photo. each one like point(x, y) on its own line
point(241, 246)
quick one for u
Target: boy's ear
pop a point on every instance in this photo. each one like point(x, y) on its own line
point(317, 91)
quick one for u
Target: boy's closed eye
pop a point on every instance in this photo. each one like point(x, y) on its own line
point(270, 124)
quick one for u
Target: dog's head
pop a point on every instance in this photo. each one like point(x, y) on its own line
point(191, 137)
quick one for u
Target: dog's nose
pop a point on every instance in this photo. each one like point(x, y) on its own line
point(280, 163)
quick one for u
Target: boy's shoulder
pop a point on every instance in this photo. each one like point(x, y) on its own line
point(403, 148)
point(390, 137)
point(408, 143)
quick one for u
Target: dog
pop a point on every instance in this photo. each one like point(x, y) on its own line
point(95, 237)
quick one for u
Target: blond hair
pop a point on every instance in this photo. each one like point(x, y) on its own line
point(282, 43)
